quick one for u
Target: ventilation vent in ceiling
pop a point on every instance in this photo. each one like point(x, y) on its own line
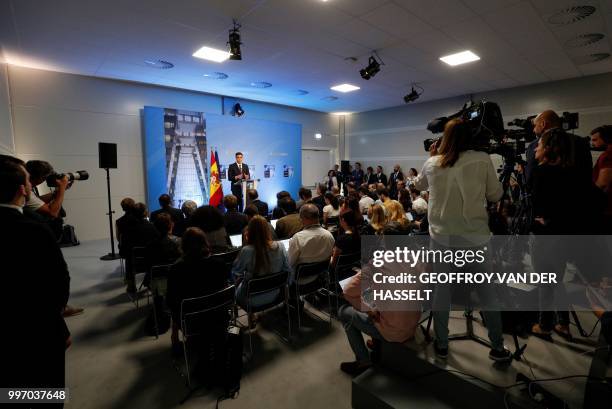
point(587, 59)
point(302, 92)
point(260, 84)
point(571, 15)
point(217, 76)
point(584, 40)
point(159, 64)
point(330, 98)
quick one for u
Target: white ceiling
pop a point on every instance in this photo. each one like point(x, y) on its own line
point(303, 44)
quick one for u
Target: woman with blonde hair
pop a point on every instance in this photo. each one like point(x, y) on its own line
point(378, 220)
point(396, 214)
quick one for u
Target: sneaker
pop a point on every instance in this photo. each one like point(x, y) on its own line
point(500, 355)
point(441, 353)
point(70, 311)
point(354, 368)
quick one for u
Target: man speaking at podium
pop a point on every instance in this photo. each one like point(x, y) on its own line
point(237, 172)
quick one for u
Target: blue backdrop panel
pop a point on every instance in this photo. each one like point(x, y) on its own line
point(263, 143)
point(155, 155)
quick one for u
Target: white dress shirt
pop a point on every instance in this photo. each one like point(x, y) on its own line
point(458, 194)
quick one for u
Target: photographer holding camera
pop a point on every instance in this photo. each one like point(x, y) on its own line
point(46, 208)
point(460, 181)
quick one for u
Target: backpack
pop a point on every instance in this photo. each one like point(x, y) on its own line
point(68, 237)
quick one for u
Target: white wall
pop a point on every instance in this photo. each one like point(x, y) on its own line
point(62, 117)
point(396, 135)
point(6, 127)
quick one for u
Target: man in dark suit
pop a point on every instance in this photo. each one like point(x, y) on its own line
point(380, 176)
point(236, 173)
point(39, 286)
point(253, 199)
point(165, 204)
point(369, 177)
point(393, 178)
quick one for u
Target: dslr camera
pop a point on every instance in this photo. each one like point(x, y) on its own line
point(72, 176)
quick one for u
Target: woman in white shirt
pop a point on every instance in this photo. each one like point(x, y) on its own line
point(460, 182)
point(332, 207)
point(330, 180)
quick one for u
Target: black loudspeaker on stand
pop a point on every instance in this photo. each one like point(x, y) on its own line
point(107, 153)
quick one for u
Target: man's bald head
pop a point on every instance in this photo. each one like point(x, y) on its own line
point(546, 120)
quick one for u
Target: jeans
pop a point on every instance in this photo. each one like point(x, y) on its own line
point(443, 298)
point(355, 324)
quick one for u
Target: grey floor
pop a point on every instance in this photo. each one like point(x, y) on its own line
point(112, 364)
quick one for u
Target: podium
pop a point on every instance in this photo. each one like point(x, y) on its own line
point(246, 184)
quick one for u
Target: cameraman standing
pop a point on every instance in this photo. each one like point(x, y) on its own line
point(46, 208)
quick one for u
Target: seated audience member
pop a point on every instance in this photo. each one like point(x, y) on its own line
point(396, 215)
point(250, 212)
point(383, 195)
point(319, 199)
point(419, 205)
point(313, 243)
point(188, 208)
point(290, 224)
point(260, 256)
point(350, 188)
point(253, 198)
point(35, 292)
point(140, 233)
point(127, 205)
point(403, 196)
point(336, 191)
point(235, 221)
point(305, 197)
point(358, 318)
point(365, 201)
point(165, 249)
point(373, 192)
point(352, 203)
point(378, 220)
point(165, 202)
point(195, 274)
point(332, 207)
point(210, 220)
point(278, 211)
point(349, 241)
point(601, 138)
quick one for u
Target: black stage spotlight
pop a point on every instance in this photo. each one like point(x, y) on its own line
point(413, 95)
point(234, 42)
point(371, 70)
point(237, 111)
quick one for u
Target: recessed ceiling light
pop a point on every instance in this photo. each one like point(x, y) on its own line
point(212, 54)
point(217, 76)
point(341, 113)
point(160, 64)
point(318, 136)
point(460, 58)
point(260, 84)
point(344, 88)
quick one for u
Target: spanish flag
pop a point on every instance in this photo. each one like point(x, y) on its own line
point(216, 190)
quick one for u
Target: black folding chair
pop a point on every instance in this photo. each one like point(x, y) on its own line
point(310, 278)
point(193, 310)
point(227, 259)
point(343, 270)
point(138, 265)
point(269, 284)
point(157, 287)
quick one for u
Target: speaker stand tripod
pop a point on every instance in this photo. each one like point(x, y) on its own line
point(112, 255)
